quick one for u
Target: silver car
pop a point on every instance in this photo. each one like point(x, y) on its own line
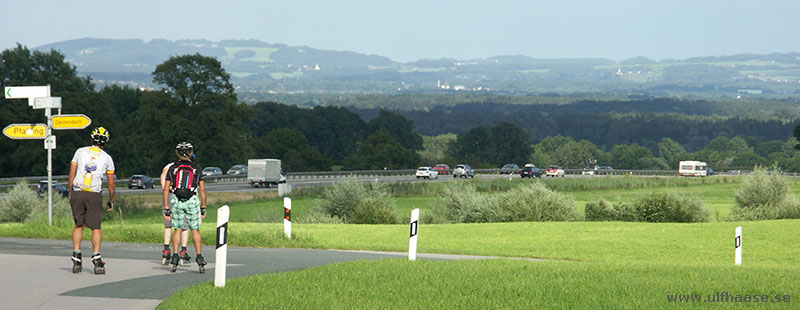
point(463, 170)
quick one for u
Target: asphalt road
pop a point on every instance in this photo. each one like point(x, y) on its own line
point(37, 273)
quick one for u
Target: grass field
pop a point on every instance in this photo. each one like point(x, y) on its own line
point(606, 265)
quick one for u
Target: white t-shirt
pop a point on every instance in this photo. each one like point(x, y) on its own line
point(164, 174)
point(92, 162)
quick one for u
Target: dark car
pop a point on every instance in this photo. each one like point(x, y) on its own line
point(140, 181)
point(58, 188)
point(442, 168)
point(509, 168)
point(605, 170)
point(530, 172)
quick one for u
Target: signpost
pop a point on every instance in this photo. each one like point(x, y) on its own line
point(71, 121)
point(27, 92)
point(39, 98)
point(25, 131)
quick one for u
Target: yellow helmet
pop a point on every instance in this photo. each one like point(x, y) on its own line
point(100, 136)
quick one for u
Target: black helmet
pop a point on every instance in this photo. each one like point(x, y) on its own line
point(99, 136)
point(184, 149)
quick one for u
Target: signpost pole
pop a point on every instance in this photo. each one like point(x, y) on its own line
point(49, 147)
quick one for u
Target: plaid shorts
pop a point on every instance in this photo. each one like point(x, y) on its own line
point(186, 214)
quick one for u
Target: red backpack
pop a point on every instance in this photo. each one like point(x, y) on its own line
point(185, 179)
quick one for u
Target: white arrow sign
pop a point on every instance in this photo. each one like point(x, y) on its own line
point(30, 92)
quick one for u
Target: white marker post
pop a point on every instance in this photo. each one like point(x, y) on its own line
point(287, 217)
point(412, 242)
point(738, 245)
point(223, 214)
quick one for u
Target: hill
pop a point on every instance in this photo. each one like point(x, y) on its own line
point(262, 70)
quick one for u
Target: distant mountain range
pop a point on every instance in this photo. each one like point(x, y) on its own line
point(259, 67)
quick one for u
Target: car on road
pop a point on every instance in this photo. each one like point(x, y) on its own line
point(597, 170)
point(554, 171)
point(140, 181)
point(442, 168)
point(427, 173)
point(605, 170)
point(211, 171)
point(463, 170)
point(530, 171)
point(58, 189)
point(509, 168)
point(238, 170)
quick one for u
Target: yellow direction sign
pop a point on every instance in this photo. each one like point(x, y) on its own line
point(25, 131)
point(71, 121)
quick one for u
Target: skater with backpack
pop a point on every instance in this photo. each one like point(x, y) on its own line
point(85, 196)
point(186, 210)
point(166, 255)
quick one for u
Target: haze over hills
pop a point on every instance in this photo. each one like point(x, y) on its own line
point(260, 69)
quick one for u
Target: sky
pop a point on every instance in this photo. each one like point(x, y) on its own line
point(412, 29)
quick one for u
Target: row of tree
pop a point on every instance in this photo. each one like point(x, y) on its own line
point(196, 103)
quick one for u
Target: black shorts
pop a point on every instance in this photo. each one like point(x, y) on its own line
point(87, 208)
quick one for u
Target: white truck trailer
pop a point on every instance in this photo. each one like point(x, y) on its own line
point(265, 172)
point(692, 168)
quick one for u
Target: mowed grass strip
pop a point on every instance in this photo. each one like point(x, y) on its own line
point(766, 243)
point(494, 284)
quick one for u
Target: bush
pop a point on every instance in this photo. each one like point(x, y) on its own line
point(599, 210)
point(670, 207)
point(62, 212)
point(463, 204)
point(534, 202)
point(342, 198)
point(602, 210)
point(374, 211)
point(765, 195)
point(16, 205)
point(318, 216)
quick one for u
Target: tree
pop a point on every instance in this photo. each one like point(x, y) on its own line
point(398, 127)
point(672, 152)
point(296, 154)
point(495, 146)
point(628, 156)
point(21, 67)
point(191, 78)
point(381, 151)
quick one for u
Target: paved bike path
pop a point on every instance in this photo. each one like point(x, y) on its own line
point(37, 273)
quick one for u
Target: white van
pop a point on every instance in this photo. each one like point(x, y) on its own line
point(692, 168)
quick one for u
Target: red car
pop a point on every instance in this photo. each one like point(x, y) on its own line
point(442, 168)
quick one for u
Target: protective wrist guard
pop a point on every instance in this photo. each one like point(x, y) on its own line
point(202, 211)
point(167, 212)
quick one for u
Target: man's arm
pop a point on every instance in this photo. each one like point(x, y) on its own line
point(203, 196)
point(112, 188)
point(163, 176)
point(73, 169)
point(165, 196)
